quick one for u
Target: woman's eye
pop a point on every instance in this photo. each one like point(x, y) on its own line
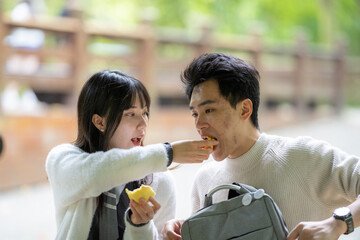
point(129, 114)
point(194, 114)
point(146, 113)
point(209, 110)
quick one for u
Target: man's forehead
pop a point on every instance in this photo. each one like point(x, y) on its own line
point(209, 87)
point(204, 97)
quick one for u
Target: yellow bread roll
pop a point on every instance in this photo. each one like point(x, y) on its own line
point(209, 138)
point(144, 192)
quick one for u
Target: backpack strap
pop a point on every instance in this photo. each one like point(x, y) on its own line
point(244, 189)
point(208, 196)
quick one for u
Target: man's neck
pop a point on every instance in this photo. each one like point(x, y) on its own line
point(248, 139)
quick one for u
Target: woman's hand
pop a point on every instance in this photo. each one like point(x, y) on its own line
point(192, 151)
point(144, 211)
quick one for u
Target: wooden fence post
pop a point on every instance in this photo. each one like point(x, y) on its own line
point(205, 41)
point(2, 51)
point(299, 74)
point(256, 52)
point(146, 60)
point(2, 48)
point(80, 62)
point(339, 76)
point(257, 49)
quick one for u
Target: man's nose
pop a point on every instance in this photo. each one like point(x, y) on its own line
point(201, 123)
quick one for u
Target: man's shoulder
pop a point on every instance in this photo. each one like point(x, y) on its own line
point(297, 147)
point(284, 142)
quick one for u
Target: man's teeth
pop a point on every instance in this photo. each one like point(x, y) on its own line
point(209, 138)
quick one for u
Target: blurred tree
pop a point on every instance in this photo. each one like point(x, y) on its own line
point(324, 20)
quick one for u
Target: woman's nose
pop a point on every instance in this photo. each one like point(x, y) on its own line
point(143, 122)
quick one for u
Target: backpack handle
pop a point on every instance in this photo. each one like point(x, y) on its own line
point(208, 197)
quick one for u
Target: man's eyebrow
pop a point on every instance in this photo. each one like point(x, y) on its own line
point(203, 103)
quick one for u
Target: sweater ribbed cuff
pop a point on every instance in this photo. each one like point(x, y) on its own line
point(128, 214)
point(170, 153)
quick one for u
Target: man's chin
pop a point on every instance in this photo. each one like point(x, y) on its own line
point(217, 157)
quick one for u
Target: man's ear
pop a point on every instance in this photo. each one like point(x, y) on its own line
point(99, 122)
point(246, 108)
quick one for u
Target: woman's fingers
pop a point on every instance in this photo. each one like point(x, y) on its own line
point(144, 211)
point(192, 151)
point(206, 143)
point(135, 216)
point(156, 205)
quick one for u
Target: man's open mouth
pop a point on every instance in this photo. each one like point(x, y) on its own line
point(209, 138)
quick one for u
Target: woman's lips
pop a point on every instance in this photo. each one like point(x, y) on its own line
point(137, 140)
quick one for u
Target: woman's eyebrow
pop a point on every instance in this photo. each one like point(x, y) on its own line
point(132, 107)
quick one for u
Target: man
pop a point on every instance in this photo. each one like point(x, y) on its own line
point(307, 178)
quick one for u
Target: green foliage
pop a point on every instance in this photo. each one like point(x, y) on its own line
point(324, 21)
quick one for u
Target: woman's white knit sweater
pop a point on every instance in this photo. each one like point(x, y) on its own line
point(307, 178)
point(77, 178)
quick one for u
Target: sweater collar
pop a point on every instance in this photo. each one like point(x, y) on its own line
point(251, 158)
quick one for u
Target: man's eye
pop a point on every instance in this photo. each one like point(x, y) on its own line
point(194, 114)
point(209, 110)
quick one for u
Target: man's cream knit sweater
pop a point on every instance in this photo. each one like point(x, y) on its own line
point(307, 178)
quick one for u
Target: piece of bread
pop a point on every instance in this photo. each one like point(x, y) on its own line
point(142, 192)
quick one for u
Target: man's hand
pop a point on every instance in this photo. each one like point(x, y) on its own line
point(143, 212)
point(172, 229)
point(328, 229)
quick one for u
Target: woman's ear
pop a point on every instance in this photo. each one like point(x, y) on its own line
point(99, 122)
point(246, 108)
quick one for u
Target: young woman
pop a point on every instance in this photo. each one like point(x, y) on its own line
point(88, 177)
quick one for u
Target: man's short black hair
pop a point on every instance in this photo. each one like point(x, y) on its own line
point(237, 80)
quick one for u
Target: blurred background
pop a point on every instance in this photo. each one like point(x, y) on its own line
point(307, 52)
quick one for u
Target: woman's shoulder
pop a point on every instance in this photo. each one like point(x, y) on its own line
point(163, 182)
point(61, 151)
point(63, 148)
point(162, 178)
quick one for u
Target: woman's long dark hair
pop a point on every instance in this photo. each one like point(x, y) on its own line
point(107, 93)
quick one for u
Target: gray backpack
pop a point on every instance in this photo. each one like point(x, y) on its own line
point(248, 214)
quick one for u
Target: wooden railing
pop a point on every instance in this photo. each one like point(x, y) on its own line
point(296, 74)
